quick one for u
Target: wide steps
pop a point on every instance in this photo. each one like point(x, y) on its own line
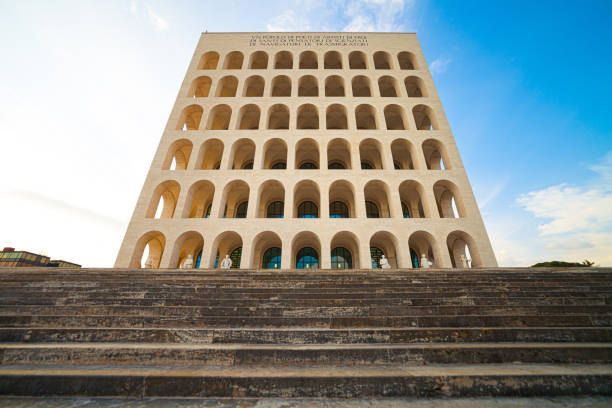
point(314, 382)
point(305, 334)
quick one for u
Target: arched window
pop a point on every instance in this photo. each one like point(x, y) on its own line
point(372, 210)
point(308, 166)
point(241, 210)
point(235, 257)
point(275, 209)
point(271, 258)
point(336, 166)
point(307, 258)
point(405, 210)
point(357, 60)
point(366, 166)
point(279, 166)
point(341, 258)
point(308, 209)
point(414, 258)
point(338, 209)
point(375, 254)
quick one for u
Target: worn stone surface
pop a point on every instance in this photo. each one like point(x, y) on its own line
point(324, 334)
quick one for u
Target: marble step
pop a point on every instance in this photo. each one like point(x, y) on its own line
point(307, 336)
point(276, 355)
point(474, 380)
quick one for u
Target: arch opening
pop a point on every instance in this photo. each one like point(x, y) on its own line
point(227, 86)
point(387, 85)
point(370, 154)
point(281, 86)
point(357, 60)
point(344, 251)
point(424, 118)
point(227, 243)
point(258, 60)
point(235, 200)
point(308, 117)
point(376, 194)
point(254, 86)
point(423, 243)
point(210, 156)
point(435, 154)
point(335, 117)
point(164, 199)
point(448, 200)
point(365, 117)
point(178, 155)
point(338, 154)
point(148, 250)
point(199, 200)
point(242, 154)
point(200, 87)
point(395, 118)
point(275, 154)
point(305, 251)
point(271, 200)
point(283, 60)
point(332, 60)
point(307, 86)
point(307, 154)
point(415, 87)
point(361, 86)
point(278, 117)
point(188, 243)
point(234, 60)
point(341, 200)
point(411, 194)
point(383, 243)
point(334, 86)
point(267, 249)
point(306, 200)
point(190, 118)
point(219, 117)
point(463, 250)
point(308, 60)
point(406, 60)
point(382, 60)
point(209, 60)
point(248, 117)
point(402, 152)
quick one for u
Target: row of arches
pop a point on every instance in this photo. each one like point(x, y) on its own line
point(308, 85)
point(307, 155)
point(307, 117)
point(305, 251)
point(309, 60)
point(269, 200)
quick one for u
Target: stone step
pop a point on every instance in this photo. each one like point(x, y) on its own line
point(475, 380)
point(275, 355)
point(308, 336)
point(291, 303)
point(263, 310)
point(521, 320)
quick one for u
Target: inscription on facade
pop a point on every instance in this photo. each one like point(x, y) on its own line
point(309, 40)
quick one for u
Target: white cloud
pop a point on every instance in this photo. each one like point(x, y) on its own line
point(576, 220)
point(375, 15)
point(288, 21)
point(439, 65)
point(159, 23)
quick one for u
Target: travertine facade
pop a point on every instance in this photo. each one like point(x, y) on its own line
point(341, 135)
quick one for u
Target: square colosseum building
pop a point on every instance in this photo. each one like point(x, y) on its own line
point(306, 150)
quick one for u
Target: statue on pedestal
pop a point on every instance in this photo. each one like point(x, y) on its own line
point(149, 262)
point(226, 263)
point(384, 263)
point(425, 263)
point(188, 264)
point(465, 262)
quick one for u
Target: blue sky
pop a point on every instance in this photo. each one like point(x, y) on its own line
point(86, 88)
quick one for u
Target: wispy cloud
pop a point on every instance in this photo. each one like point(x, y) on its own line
point(343, 15)
point(287, 21)
point(576, 219)
point(159, 23)
point(439, 65)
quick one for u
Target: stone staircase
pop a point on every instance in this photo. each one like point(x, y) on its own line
point(305, 334)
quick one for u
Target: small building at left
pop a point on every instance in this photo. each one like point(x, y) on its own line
point(10, 257)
